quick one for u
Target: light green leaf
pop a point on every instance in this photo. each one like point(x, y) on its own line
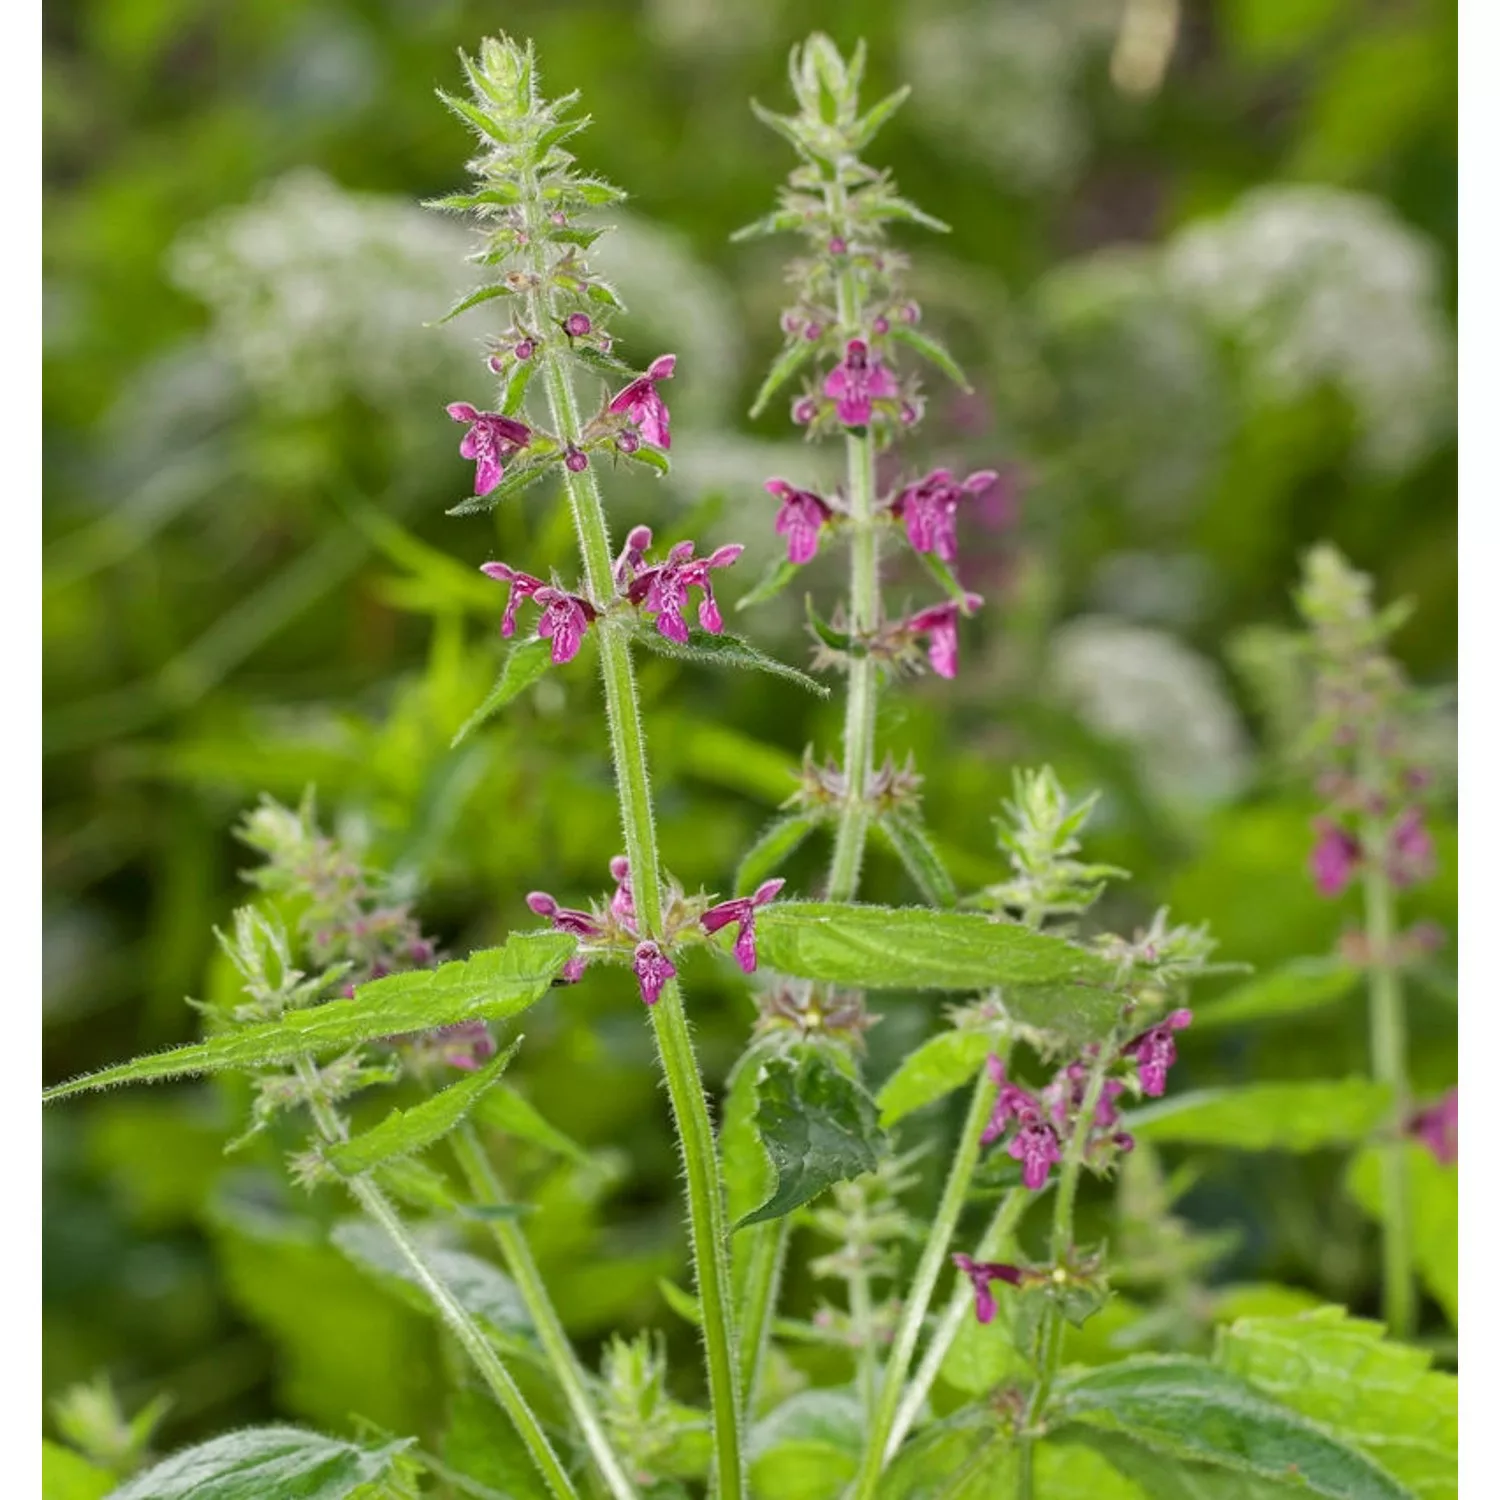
point(1267, 1116)
point(776, 577)
point(649, 457)
point(67, 1475)
point(943, 576)
point(941, 1064)
point(818, 1126)
point(970, 1455)
point(264, 1463)
point(788, 362)
point(1342, 1372)
point(1193, 1411)
point(868, 123)
point(526, 663)
point(808, 1448)
point(505, 1110)
point(483, 1455)
point(771, 850)
point(904, 832)
point(984, 1355)
point(517, 478)
point(406, 1131)
point(490, 986)
point(1296, 987)
point(479, 295)
point(1433, 1190)
point(725, 651)
point(930, 350)
point(1151, 1475)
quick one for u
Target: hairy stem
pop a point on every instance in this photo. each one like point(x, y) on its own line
point(521, 1264)
point(765, 1257)
point(468, 1333)
point(914, 1310)
point(1388, 1063)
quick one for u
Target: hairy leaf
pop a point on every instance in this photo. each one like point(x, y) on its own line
point(264, 1463)
point(1433, 1190)
point(808, 1448)
point(932, 351)
point(876, 116)
point(510, 1113)
point(1290, 990)
point(787, 363)
point(772, 849)
point(904, 832)
point(479, 295)
point(517, 478)
point(725, 651)
point(818, 1125)
point(527, 662)
point(490, 986)
point(970, 1455)
point(941, 1064)
point(1267, 1116)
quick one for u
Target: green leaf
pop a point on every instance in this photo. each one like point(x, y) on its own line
point(985, 1355)
point(67, 1475)
point(684, 1304)
point(1433, 1190)
point(942, 575)
point(607, 366)
point(1149, 1475)
point(593, 191)
point(870, 122)
point(1290, 990)
point(479, 295)
point(483, 1290)
point(404, 1132)
point(1343, 1373)
point(526, 663)
point(772, 849)
point(904, 832)
point(889, 206)
point(781, 222)
point(808, 1448)
point(474, 116)
point(772, 582)
point(490, 986)
point(941, 1064)
point(483, 1455)
point(818, 1125)
point(970, 1455)
point(749, 1178)
point(517, 478)
point(1267, 1116)
point(1193, 1411)
point(784, 126)
point(908, 947)
point(265, 1463)
point(516, 383)
point(510, 1113)
point(932, 351)
point(648, 457)
point(725, 651)
point(787, 363)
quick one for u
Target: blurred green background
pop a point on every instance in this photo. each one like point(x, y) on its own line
point(1203, 276)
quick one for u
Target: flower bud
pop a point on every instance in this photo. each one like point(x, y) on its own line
point(576, 325)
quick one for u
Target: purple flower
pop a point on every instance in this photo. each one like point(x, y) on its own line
point(1437, 1128)
point(804, 409)
point(858, 380)
point(575, 325)
point(463, 1045)
point(1334, 858)
point(930, 509)
point(490, 440)
point(575, 460)
point(1412, 856)
point(1034, 1145)
point(633, 555)
point(981, 1273)
point(565, 618)
point(563, 918)
point(1154, 1052)
point(1011, 1103)
point(801, 517)
point(522, 586)
point(742, 911)
point(622, 903)
point(652, 970)
point(525, 349)
point(643, 405)
point(662, 590)
point(940, 625)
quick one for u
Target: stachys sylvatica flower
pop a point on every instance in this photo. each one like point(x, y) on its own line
point(800, 520)
point(662, 588)
point(1334, 859)
point(490, 440)
point(939, 624)
point(642, 404)
point(856, 382)
point(929, 509)
point(741, 910)
point(652, 970)
point(1155, 1051)
point(981, 1273)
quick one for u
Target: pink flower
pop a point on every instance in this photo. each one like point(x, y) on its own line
point(1412, 857)
point(1034, 1145)
point(565, 618)
point(652, 971)
point(662, 589)
point(801, 517)
point(1155, 1051)
point(643, 405)
point(930, 509)
point(1334, 858)
point(490, 440)
point(742, 911)
point(940, 625)
point(463, 1045)
point(981, 1273)
point(522, 586)
point(1437, 1128)
point(858, 380)
point(622, 903)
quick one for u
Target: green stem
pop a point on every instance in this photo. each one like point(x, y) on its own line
point(862, 1327)
point(1388, 1063)
point(765, 1257)
point(468, 1333)
point(924, 1281)
point(521, 1264)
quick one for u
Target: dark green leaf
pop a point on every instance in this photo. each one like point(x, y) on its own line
point(1267, 1116)
point(526, 663)
point(1296, 987)
point(483, 1455)
point(605, 295)
point(904, 832)
point(772, 849)
point(264, 1463)
point(787, 363)
point(725, 651)
point(818, 1126)
point(778, 574)
point(941, 1064)
point(748, 1175)
point(835, 640)
point(606, 366)
point(1193, 1411)
point(404, 1132)
point(489, 986)
point(932, 351)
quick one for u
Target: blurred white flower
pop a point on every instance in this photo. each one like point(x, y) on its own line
point(1148, 690)
point(1323, 286)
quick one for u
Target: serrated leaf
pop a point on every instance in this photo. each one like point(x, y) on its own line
point(265, 1463)
point(748, 1175)
point(778, 574)
point(404, 1132)
point(1345, 1374)
point(808, 1447)
point(67, 1475)
point(1290, 990)
point(1191, 1410)
point(909, 947)
point(772, 849)
point(525, 663)
point(484, 1291)
point(418, 1185)
point(818, 1126)
point(474, 116)
point(932, 351)
point(1433, 1190)
point(510, 1113)
point(970, 1455)
point(787, 363)
point(495, 194)
point(479, 295)
point(1151, 1475)
point(518, 478)
point(941, 1064)
point(1267, 1116)
point(725, 651)
point(489, 986)
point(608, 366)
point(904, 832)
